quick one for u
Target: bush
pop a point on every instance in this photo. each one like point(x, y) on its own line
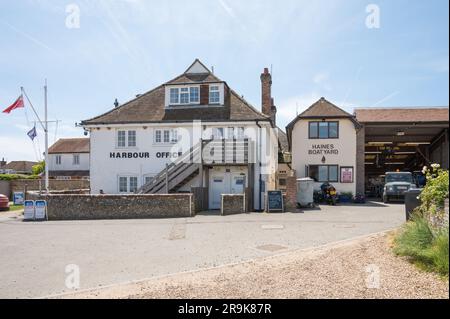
point(38, 168)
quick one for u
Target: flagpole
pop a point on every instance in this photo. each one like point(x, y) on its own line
point(46, 139)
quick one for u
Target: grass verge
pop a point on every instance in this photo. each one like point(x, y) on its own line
point(426, 247)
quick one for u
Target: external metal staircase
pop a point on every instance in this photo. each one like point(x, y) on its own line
point(189, 165)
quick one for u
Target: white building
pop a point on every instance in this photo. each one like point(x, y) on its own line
point(323, 142)
point(69, 159)
point(195, 113)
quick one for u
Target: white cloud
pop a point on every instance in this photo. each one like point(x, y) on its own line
point(321, 77)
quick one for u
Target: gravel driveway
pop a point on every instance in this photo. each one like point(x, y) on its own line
point(360, 268)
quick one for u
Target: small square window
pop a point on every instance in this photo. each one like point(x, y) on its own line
point(323, 129)
point(121, 138)
point(174, 98)
point(333, 129)
point(313, 130)
point(158, 136)
point(184, 96)
point(123, 185)
point(133, 184)
point(166, 136)
point(174, 134)
point(214, 94)
point(131, 138)
point(194, 94)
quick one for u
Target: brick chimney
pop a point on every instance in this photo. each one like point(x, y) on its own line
point(267, 102)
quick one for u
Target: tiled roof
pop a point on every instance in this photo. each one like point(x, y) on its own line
point(322, 109)
point(150, 107)
point(20, 166)
point(70, 145)
point(367, 115)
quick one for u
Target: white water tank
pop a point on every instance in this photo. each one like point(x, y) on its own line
point(305, 192)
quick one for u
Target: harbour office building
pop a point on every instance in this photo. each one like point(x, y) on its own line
point(193, 131)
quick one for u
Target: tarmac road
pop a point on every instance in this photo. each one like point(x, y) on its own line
point(34, 255)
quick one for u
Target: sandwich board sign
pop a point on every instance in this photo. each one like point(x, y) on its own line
point(28, 210)
point(275, 201)
point(40, 210)
point(18, 198)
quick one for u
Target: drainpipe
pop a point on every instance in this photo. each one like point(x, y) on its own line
point(259, 162)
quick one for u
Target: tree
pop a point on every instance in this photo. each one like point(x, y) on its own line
point(38, 168)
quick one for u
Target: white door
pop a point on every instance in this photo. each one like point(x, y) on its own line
point(217, 188)
point(237, 185)
point(224, 183)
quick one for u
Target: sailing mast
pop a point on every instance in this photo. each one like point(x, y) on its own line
point(46, 138)
point(44, 127)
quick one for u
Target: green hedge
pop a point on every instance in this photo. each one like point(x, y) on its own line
point(11, 177)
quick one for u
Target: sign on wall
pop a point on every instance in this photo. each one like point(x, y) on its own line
point(323, 149)
point(28, 210)
point(18, 198)
point(346, 174)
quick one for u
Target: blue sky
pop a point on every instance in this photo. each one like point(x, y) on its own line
point(126, 47)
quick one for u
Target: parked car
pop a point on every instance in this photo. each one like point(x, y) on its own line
point(4, 202)
point(396, 185)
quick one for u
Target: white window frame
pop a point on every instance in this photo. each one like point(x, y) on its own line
point(134, 139)
point(177, 96)
point(165, 136)
point(76, 159)
point(126, 139)
point(58, 159)
point(214, 89)
point(186, 90)
point(128, 183)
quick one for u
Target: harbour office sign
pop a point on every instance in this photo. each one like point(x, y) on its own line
point(323, 149)
point(144, 154)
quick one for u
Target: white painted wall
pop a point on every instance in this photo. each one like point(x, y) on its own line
point(67, 162)
point(345, 144)
point(105, 170)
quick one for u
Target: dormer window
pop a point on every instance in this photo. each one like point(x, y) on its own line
point(194, 94)
point(184, 95)
point(174, 96)
point(214, 94)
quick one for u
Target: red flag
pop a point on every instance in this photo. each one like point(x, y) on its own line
point(17, 104)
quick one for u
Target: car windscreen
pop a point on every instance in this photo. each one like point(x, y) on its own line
point(391, 178)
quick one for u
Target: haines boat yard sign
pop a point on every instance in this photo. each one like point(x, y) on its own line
point(323, 149)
